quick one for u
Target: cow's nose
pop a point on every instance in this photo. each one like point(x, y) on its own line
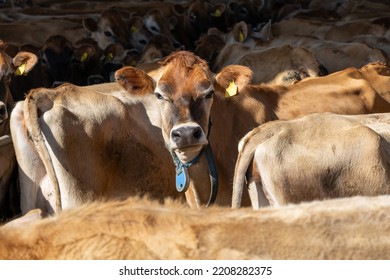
point(188, 135)
point(3, 111)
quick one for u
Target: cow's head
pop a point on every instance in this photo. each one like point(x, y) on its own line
point(57, 55)
point(184, 89)
point(21, 64)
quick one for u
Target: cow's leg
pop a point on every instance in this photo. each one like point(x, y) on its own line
point(257, 195)
point(31, 169)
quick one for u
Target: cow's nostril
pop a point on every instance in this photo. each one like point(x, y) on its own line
point(197, 133)
point(176, 135)
point(3, 110)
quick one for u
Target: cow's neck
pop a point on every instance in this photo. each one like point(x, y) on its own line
point(203, 181)
point(198, 178)
point(233, 117)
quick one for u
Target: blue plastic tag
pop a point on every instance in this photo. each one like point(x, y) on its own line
point(182, 181)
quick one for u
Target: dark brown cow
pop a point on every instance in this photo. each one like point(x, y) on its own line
point(195, 18)
point(37, 77)
point(85, 66)
point(57, 54)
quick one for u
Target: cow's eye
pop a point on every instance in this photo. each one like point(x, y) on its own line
point(158, 96)
point(193, 17)
point(155, 29)
point(108, 34)
point(143, 42)
point(209, 95)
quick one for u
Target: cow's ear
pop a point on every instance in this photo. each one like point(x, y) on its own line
point(136, 23)
point(24, 62)
point(218, 9)
point(135, 81)
point(240, 31)
point(236, 75)
point(263, 31)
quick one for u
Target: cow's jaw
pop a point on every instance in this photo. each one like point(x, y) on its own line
point(187, 140)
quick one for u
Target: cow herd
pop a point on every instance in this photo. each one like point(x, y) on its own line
point(203, 106)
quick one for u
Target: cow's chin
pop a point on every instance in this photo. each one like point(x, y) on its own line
point(188, 153)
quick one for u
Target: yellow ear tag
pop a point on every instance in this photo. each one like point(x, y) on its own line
point(84, 57)
point(21, 70)
point(217, 13)
point(241, 37)
point(110, 56)
point(134, 29)
point(231, 90)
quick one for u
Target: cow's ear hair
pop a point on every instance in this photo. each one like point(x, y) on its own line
point(135, 81)
point(240, 75)
point(90, 24)
point(24, 62)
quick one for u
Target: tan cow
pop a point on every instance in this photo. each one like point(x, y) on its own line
point(177, 103)
point(275, 65)
point(334, 56)
point(21, 63)
point(348, 228)
point(284, 65)
point(315, 157)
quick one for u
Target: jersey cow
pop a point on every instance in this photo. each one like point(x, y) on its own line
point(173, 108)
point(348, 228)
point(315, 157)
point(21, 63)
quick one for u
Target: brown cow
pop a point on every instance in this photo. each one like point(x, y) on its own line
point(117, 25)
point(177, 102)
point(21, 64)
point(348, 228)
point(315, 157)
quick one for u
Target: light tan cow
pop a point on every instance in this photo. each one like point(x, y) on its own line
point(350, 228)
point(177, 103)
point(315, 157)
point(110, 131)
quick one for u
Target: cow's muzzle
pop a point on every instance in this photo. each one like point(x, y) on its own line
point(187, 135)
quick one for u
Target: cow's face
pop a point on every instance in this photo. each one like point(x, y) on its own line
point(111, 27)
point(183, 92)
point(57, 55)
point(183, 95)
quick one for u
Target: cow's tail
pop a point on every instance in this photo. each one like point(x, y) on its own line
point(246, 150)
point(35, 102)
